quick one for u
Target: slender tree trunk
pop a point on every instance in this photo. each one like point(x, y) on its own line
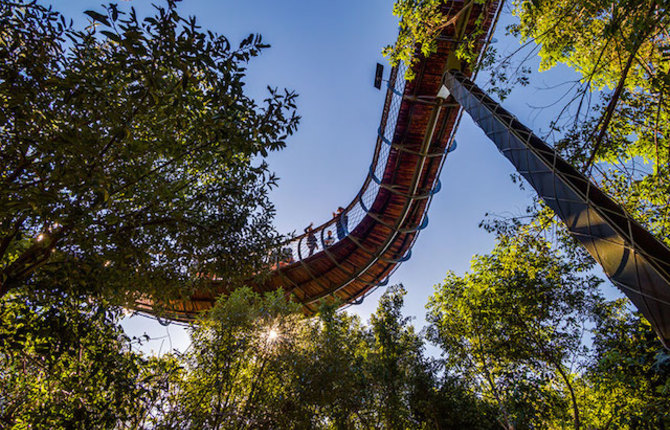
point(252, 392)
point(575, 408)
point(611, 106)
point(508, 422)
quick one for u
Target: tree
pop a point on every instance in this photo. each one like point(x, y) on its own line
point(615, 44)
point(65, 363)
point(239, 370)
point(255, 362)
point(407, 389)
point(331, 370)
point(620, 51)
point(396, 355)
point(513, 328)
point(131, 160)
point(495, 325)
point(422, 22)
point(628, 377)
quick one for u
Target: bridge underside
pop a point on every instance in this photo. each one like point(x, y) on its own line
point(390, 209)
point(387, 214)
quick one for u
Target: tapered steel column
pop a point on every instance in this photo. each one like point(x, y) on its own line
point(634, 260)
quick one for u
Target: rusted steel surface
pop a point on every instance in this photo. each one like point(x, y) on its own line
point(407, 162)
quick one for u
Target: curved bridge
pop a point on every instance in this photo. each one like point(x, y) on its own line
point(377, 229)
point(385, 217)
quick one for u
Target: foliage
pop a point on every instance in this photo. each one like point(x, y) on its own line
point(331, 368)
point(131, 156)
point(513, 327)
point(129, 146)
point(633, 160)
point(327, 372)
point(597, 38)
point(619, 50)
point(239, 373)
point(619, 45)
point(256, 363)
point(528, 331)
point(65, 363)
point(409, 390)
point(629, 375)
point(396, 353)
point(421, 23)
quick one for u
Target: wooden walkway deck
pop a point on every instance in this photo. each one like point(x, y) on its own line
point(414, 152)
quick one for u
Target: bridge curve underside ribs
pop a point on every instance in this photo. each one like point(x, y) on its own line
point(633, 259)
point(390, 209)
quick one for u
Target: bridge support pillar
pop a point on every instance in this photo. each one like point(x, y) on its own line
point(633, 259)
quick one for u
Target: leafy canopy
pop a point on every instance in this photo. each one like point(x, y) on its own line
point(131, 157)
point(620, 51)
point(65, 363)
point(513, 327)
point(422, 22)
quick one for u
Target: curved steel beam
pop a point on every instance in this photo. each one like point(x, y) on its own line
point(633, 259)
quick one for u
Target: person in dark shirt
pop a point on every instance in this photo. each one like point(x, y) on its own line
point(311, 239)
point(341, 223)
point(329, 240)
point(287, 256)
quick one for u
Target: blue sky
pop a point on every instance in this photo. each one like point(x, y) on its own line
point(326, 52)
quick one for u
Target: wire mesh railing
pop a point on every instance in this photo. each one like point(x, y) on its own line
point(369, 273)
point(338, 228)
point(345, 219)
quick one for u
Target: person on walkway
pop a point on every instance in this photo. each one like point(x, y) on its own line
point(329, 240)
point(311, 239)
point(287, 256)
point(341, 223)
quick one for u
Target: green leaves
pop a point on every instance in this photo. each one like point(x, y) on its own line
point(512, 326)
point(137, 138)
point(256, 363)
point(111, 36)
point(422, 22)
point(96, 16)
point(616, 47)
point(629, 374)
point(68, 365)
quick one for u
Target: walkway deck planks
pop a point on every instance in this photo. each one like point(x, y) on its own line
point(375, 246)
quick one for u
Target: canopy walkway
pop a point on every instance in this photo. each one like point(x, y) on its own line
point(385, 217)
point(376, 231)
